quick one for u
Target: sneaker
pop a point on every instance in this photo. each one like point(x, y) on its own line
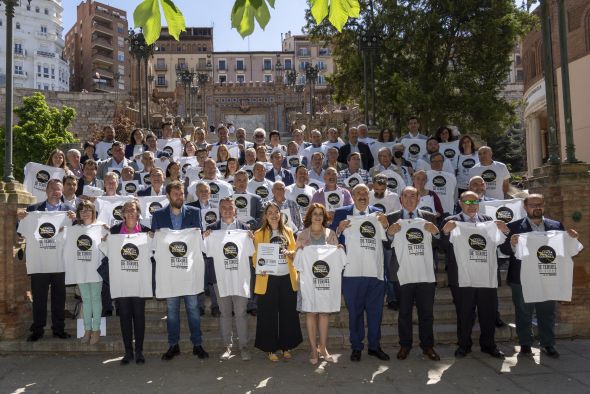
point(246, 356)
point(226, 355)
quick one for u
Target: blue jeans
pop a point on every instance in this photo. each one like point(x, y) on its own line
point(191, 304)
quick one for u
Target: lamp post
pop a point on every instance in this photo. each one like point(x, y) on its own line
point(148, 97)
point(8, 167)
point(311, 75)
point(140, 51)
point(116, 77)
point(184, 77)
point(368, 43)
point(203, 77)
point(279, 70)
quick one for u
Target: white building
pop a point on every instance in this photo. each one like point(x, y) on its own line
point(38, 46)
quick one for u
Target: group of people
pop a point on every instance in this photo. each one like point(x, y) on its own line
point(280, 230)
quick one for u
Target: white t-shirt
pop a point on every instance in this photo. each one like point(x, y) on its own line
point(40, 230)
point(110, 209)
point(301, 196)
point(389, 203)
point(243, 201)
point(444, 185)
point(353, 180)
point(426, 203)
point(334, 199)
point(316, 184)
point(209, 216)
point(546, 270)
point(464, 165)
point(320, 277)
point(219, 190)
point(180, 269)
point(424, 165)
point(130, 268)
point(413, 249)
point(172, 146)
point(494, 176)
point(262, 189)
point(144, 178)
point(282, 264)
point(475, 246)
point(149, 205)
point(415, 148)
point(231, 251)
point(395, 182)
point(103, 150)
point(364, 247)
point(78, 248)
point(129, 188)
point(36, 178)
point(450, 150)
point(376, 146)
point(310, 150)
point(504, 210)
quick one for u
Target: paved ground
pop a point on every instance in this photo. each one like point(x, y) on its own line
point(478, 373)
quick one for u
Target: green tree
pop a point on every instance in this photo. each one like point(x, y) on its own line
point(40, 129)
point(445, 61)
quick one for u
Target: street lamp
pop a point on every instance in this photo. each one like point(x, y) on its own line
point(279, 70)
point(311, 75)
point(185, 77)
point(8, 167)
point(369, 44)
point(117, 77)
point(141, 51)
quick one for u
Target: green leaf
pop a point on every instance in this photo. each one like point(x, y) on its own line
point(262, 13)
point(147, 16)
point(174, 18)
point(341, 10)
point(242, 17)
point(319, 10)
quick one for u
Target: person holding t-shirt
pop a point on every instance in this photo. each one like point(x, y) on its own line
point(414, 130)
point(467, 299)
point(494, 173)
point(534, 205)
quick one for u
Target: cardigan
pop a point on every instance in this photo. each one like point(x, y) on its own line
point(263, 236)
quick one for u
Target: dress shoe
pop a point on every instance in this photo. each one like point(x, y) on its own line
point(226, 355)
point(139, 358)
point(431, 354)
point(403, 352)
point(34, 337)
point(171, 353)
point(94, 337)
point(499, 323)
point(525, 349)
point(200, 352)
point(61, 335)
point(252, 312)
point(462, 352)
point(494, 352)
point(550, 351)
point(215, 312)
point(394, 306)
point(127, 358)
point(355, 355)
point(379, 353)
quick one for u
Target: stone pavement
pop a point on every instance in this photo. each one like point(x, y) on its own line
point(478, 373)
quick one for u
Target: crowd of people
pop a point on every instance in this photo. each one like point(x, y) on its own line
point(276, 230)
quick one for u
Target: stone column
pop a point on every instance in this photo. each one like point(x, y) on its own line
point(566, 188)
point(14, 283)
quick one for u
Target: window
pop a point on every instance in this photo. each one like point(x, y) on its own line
point(268, 78)
point(519, 75)
point(240, 65)
point(267, 64)
point(321, 65)
point(121, 56)
point(17, 25)
point(52, 73)
point(324, 52)
point(303, 52)
point(18, 49)
point(161, 81)
point(46, 87)
point(39, 86)
point(18, 69)
point(222, 79)
point(28, 7)
point(37, 10)
point(221, 65)
point(44, 29)
point(46, 11)
point(288, 64)
point(121, 85)
point(120, 42)
point(518, 60)
point(240, 78)
point(0, 22)
point(45, 72)
point(39, 72)
point(160, 64)
point(321, 80)
point(303, 65)
point(120, 28)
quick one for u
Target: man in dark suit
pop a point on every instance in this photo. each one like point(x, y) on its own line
point(41, 282)
point(466, 299)
point(534, 205)
point(277, 172)
point(354, 145)
point(157, 184)
point(178, 216)
point(255, 208)
point(362, 294)
point(421, 294)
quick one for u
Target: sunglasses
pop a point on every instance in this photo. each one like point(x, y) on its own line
point(471, 202)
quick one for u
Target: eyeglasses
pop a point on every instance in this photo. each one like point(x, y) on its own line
point(471, 202)
point(381, 181)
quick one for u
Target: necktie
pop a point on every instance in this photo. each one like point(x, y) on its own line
point(411, 214)
point(363, 213)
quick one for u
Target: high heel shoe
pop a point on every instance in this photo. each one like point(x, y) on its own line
point(313, 359)
point(326, 356)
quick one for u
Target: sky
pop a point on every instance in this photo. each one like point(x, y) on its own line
point(287, 15)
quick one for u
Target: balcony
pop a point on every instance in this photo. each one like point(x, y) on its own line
point(303, 52)
point(243, 68)
point(102, 42)
point(20, 53)
point(103, 15)
point(99, 57)
point(103, 86)
point(21, 75)
point(104, 73)
point(108, 30)
point(46, 54)
point(161, 84)
point(222, 68)
point(160, 67)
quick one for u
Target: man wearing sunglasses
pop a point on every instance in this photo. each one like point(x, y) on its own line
point(466, 299)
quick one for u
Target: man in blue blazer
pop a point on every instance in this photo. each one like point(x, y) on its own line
point(277, 172)
point(534, 205)
point(40, 283)
point(178, 216)
point(361, 294)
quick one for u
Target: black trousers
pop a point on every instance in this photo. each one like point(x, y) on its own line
point(132, 319)
point(277, 321)
point(421, 294)
point(484, 299)
point(40, 284)
point(107, 301)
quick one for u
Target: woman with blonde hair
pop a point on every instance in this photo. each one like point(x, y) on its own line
point(277, 323)
point(57, 159)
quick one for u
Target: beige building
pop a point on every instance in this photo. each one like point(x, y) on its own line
point(535, 112)
point(242, 67)
point(96, 49)
point(308, 52)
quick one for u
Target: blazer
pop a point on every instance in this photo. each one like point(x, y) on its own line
point(394, 217)
point(445, 244)
point(130, 148)
point(340, 214)
point(146, 192)
point(42, 206)
point(519, 227)
point(304, 237)
point(366, 155)
point(263, 236)
point(210, 276)
point(104, 166)
point(191, 218)
point(285, 175)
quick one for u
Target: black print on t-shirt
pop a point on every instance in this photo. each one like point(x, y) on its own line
point(47, 230)
point(110, 152)
point(391, 183)
point(230, 250)
point(505, 214)
point(118, 172)
point(185, 167)
point(314, 185)
point(178, 249)
point(42, 176)
point(380, 207)
point(294, 161)
point(130, 252)
point(210, 217)
point(468, 163)
point(250, 174)
point(439, 181)
point(449, 153)
point(427, 209)
point(130, 188)
point(477, 242)
point(415, 236)
point(367, 230)
point(214, 188)
point(84, 243)
point(146, 179)
point(320, 269)
point(241, 202)
point(262, 191)
point(353, 182)
point(488, 176)
point(302, 200)
point(333, 199)
point(154, 207)
point(414, 149)
point(169, 150)
point(546, 256)
point(118, 212)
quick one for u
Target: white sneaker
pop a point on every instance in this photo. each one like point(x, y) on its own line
point(245, 355)
point(226, 355)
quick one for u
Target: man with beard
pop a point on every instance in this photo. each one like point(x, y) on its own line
point(433, 147)
point(534, 205)
point(103, 148)
point(178, 216)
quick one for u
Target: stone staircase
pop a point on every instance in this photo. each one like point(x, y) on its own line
point(156, 336)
